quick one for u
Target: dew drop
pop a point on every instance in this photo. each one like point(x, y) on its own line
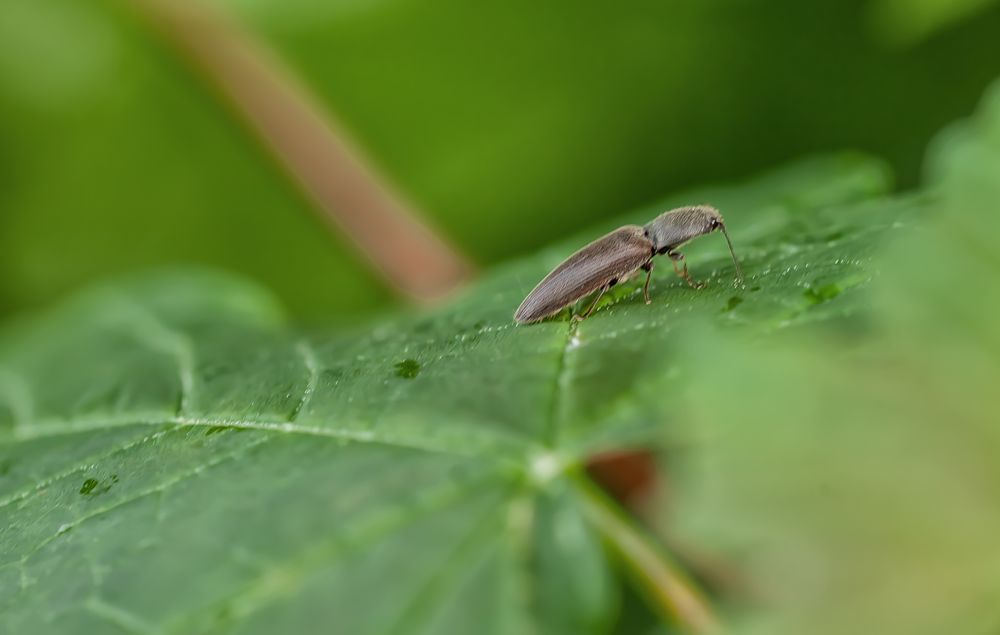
point(408, 368)
point(93, 487)
point(825, 293)
point(88, 486)
point(733, 302)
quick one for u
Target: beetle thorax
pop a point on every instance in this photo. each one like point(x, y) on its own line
point(672, 229)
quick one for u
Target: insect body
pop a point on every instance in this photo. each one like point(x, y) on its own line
point(615, 257)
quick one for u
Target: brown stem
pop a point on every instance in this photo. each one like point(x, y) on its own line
point(311, 147)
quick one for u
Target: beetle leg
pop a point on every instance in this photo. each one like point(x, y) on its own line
point(678, 257)
point(593, 305)
point(648, 268)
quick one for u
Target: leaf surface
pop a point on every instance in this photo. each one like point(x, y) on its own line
point(176, 458)
point(853, 484)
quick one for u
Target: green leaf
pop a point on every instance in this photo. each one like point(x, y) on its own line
point(177, 458)
point(853, 484)
point(910, 22)
point(106, 131)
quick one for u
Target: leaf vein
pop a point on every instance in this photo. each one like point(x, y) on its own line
point(308, 355)
point(94, 458)
point(272, 583)
point(183, 476)
point(151, 332)
point(559, 384)
point(476, 447)
point(117, 616)
point(431, 592)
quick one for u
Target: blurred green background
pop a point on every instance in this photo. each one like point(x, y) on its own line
point(509, 124)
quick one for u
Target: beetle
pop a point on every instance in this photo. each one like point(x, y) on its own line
point(616, 257)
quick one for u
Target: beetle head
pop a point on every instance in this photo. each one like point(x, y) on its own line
point(672, 229)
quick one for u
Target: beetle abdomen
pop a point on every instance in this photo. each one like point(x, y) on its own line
point(614, 256)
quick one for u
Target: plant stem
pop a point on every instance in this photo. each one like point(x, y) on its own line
point(311, 147)
point(666, 586)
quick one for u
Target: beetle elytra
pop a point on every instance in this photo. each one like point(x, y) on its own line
point(615, 257)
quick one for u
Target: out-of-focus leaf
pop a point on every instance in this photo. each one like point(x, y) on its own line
point(908, 22)
point(520, 121)
point(113, 156)
point(177, 458)
point(507, 123)
point(853, 484)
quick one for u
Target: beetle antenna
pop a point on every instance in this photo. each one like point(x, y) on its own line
point(739, 272)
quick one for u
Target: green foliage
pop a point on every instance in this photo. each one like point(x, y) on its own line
point(907, 22)
point(509, 123)
point(177, 458)
point(855, 486)
point(100, 116)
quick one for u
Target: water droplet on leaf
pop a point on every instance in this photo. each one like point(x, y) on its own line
point(93, 487)
point(825, 293)
point(408, 368)
point(733, 302)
